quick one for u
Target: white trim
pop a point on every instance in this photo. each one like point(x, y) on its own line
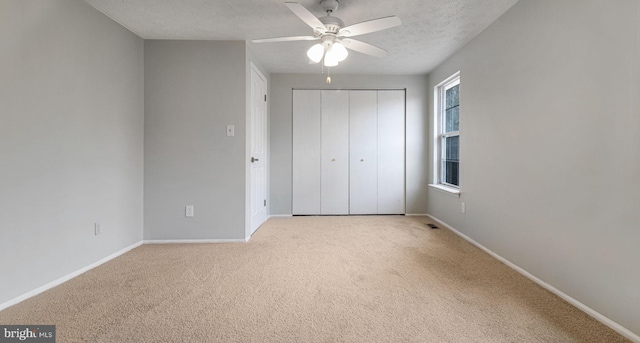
point(416, 215)
point(279, 216)
point(195, 241)
point(593, 313)
point(66, 278)
point(450, 134)
point(454, 192)
point(257, 70)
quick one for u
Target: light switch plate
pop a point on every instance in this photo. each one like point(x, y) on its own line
point(230, 130)
point(188, 212)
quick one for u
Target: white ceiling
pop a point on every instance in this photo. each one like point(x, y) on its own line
point(431, 29)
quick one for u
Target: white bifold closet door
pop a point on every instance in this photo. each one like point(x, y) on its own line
point(363, 166)
point(348, 152)
point(334, 165)
point(391, 152)
point(306, 152)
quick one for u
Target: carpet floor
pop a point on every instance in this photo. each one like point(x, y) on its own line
point(310, 279)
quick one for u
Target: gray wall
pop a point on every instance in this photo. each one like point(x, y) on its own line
point(71, 149)
point(280, 126)
point(193, 90)
point(550, 147)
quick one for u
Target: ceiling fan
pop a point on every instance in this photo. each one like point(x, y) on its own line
point(334, 36)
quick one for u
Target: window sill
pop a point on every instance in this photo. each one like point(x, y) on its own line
point(454, 192)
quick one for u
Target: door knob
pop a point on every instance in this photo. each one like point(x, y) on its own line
point(254, 159)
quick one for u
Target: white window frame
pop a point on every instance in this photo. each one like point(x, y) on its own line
point(440, 135)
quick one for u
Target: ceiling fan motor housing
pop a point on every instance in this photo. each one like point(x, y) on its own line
point(333, 24)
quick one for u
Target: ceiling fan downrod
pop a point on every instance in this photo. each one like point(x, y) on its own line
point(329, 5)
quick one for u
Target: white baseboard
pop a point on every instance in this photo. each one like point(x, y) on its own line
point(66, 277)
point(279, 216)
point(593, 313)
point(416, 215)
point(194, 241)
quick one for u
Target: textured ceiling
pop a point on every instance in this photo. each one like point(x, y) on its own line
point(431, 29)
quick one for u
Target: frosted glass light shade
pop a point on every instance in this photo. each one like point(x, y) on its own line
point(315, 53)
point(330, 59)
point(339, 51)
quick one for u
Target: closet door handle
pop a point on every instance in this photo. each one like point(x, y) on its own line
point(254, 159)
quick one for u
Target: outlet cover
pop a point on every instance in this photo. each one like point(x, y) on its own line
point(188, 211)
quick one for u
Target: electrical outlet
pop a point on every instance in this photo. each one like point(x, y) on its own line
point(188, 211)
point(97, 229)
point(463, 208)
point(230, 130)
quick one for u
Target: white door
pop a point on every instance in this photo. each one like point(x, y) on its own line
point(306, 152)
point(258, 138)
point(334, 163)
point(363, 166)
point(391, 152)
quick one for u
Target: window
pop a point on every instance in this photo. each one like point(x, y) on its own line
point(447, 124)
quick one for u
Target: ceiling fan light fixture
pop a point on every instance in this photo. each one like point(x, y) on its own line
point(315, 53)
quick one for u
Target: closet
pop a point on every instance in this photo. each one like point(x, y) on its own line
point(348, 152)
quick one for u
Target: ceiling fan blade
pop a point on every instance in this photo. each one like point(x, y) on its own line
point(364, 48)
point(369, 26)
point(284, 39)
point(306, 16)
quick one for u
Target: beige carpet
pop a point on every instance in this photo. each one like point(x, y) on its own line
point(311, 279)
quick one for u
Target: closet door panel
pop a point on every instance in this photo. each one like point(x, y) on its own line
point(363, 131)
point(334, 188)
point(391, 152)
point(306, 152)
